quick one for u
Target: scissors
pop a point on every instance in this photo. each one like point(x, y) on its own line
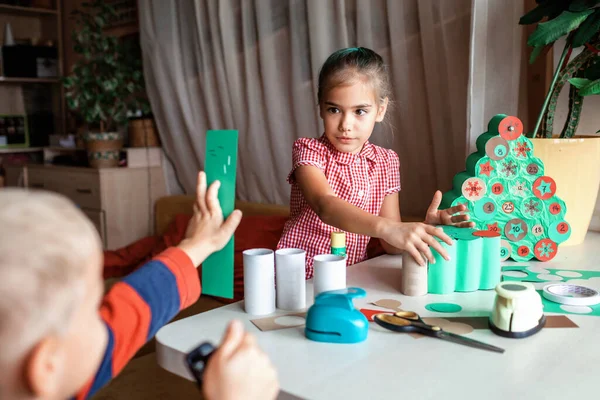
point(408, 321)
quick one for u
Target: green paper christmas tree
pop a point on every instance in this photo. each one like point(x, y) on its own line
point(505, 190)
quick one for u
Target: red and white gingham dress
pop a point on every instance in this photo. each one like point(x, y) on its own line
point(362, 179)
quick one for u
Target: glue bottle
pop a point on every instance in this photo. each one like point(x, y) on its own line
point(338, 243)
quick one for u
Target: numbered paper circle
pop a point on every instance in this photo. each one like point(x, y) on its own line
point(544, 187)
point(473, 189)
point(496, 148)
point(485, 209)
point(533, 169)
point(497, 189)
point(537, 230)
point(505, 250)
point(508, 168)
point(532, 207)
point(559, 231)
point(555, 208)
point(510, 128)
point(545, 250)
point(523, 251)
point(515, 229)
point(508, 207)
point(522, 148)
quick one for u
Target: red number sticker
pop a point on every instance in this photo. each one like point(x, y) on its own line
point(523, 251)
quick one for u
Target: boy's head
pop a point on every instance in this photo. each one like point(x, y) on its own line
point(353, 94)
point(51, 336)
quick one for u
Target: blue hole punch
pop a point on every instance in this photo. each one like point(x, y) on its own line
point(334, 319)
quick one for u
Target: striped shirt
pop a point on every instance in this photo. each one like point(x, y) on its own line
point(362, 179)
point(136, 307)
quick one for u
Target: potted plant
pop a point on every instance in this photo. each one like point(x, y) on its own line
point(104, 83)
point(141, 125)
point(573, 161)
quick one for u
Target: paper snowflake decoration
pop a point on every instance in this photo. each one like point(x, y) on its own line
point(545, 249)
point(532, 207)
point(519, 189)
point(473, 188)
point(509, 168)
point(521, 149)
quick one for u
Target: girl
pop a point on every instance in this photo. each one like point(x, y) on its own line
point(340, 181)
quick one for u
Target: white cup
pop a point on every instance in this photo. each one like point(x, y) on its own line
point(329, 273)
point(259, 281)
point(290, 276)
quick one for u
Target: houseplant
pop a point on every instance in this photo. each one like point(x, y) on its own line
point(572, 160)
point(105, 83)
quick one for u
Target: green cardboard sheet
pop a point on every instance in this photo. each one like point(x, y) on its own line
point(540, 274)
point(221, 165)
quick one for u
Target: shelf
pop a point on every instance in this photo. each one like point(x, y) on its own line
point(28, 80)
point(4, 8)
point(21, 150)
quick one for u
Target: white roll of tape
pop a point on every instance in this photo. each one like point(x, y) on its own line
point(573, 295)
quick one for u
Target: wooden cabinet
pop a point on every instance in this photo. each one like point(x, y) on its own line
point(119, 201)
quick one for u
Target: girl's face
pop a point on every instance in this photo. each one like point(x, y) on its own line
point(349, 113)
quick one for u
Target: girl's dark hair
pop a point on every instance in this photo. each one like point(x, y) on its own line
point(348, 64)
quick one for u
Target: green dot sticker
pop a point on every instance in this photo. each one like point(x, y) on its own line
point(443, 307)
point(559, 231)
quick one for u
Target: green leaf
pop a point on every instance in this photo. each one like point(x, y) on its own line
point(579, 82)
point(548, 32)
point(535, 53)
point(533, 16)
point(587, 29)
point(597, 131)
point(591, 88)
point(580, 5)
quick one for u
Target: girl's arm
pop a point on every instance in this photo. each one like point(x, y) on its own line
point(390, 209)
point(412, 237)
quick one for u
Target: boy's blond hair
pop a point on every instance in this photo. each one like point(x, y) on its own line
point(46, 245)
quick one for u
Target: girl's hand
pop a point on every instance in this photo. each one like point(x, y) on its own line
point(447, 217)
point(416, 238)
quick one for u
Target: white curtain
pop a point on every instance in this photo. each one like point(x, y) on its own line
point(252, 65)
point(497, 82)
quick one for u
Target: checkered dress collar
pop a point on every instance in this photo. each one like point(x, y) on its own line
point(368, 152)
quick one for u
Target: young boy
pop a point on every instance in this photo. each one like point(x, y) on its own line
point(54, 344)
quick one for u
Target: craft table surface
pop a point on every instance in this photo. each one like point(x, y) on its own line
point(553, 364)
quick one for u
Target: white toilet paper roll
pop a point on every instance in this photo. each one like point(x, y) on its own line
point(414, 276)
point(329, 273)
point(290, 265)
point(259, 281)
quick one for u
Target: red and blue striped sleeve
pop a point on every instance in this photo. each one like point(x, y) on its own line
point(136, 307)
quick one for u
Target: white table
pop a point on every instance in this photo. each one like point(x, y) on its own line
point(553, 364)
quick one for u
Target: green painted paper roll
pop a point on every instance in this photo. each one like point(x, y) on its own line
point(468, 263)
point(448, 198)
point(495, 123)
point(482, 140)
point(459, 179)
point(472, 160)
point(490, 263)
point(441, 277)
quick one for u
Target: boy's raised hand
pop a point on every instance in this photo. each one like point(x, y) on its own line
point(446, 217)
point(239, 369)
point(206, 232)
